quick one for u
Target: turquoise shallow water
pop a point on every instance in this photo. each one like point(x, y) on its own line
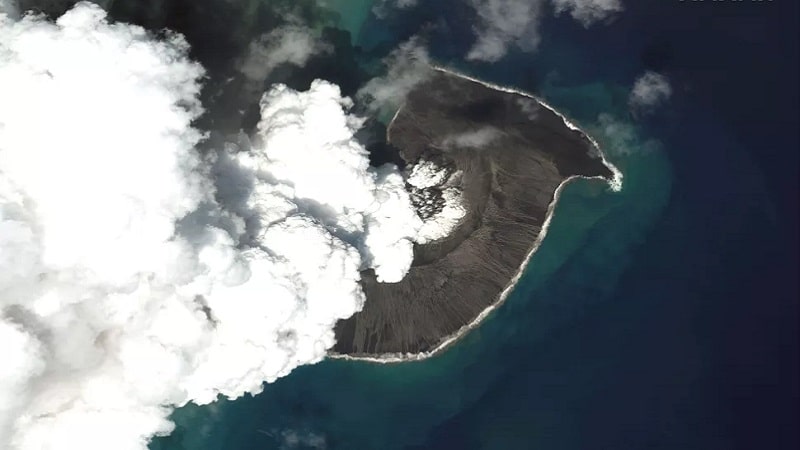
point(648, 318)
point(363, 405)
point(366, 406)
point(352, 14)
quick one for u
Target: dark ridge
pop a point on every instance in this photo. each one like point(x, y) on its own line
point(507, 186)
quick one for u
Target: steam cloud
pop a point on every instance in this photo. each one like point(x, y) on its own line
point(588, 12)
point(407, 66)
point(623, 137)
point(478, 138)
point(137, 274)
point(650, 90)
point(290, 44)
point(503, 23)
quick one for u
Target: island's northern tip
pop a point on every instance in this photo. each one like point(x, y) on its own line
point(506, 154)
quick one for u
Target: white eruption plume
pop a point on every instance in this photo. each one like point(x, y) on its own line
point(136, 276)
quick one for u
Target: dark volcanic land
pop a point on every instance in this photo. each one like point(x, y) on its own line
point(508, 184)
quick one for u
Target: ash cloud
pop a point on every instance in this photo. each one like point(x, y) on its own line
point(137, 274)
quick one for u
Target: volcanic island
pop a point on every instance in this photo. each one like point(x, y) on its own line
point(508, 154)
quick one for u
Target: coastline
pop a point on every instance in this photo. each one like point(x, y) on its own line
point(615, 184)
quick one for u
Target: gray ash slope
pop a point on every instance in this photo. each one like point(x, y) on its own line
point(513, 154)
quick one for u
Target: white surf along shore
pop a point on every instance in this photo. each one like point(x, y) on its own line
point(615, 184)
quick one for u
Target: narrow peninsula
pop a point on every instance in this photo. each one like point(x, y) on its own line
point(508, 154)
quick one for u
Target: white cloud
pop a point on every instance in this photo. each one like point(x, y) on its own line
point(288, 44)
point(134, 275)
point(23, 359)
point(530, 107)
point(293, 439)
point(426, 174)
point(478, 138)
point(367, 207)
point(649, 91)
point(407, 66)
point(588, 12)
point(622, 137)
point(382, 7)
point(436, 192)
point(503, 23)
point(289, 439)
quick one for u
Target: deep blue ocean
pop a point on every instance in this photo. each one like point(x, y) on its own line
point(661, 317)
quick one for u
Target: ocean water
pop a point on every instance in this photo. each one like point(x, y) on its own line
point(660, 317)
